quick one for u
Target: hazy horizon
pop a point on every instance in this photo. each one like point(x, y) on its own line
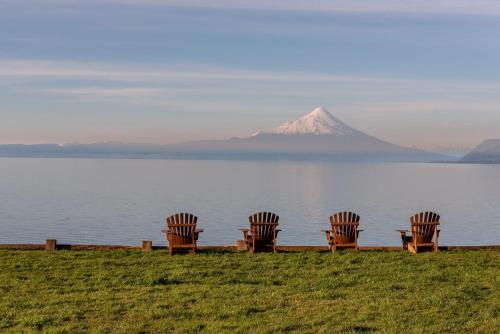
point(423, 74)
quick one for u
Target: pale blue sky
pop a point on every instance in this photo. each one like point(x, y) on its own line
point(417, 73)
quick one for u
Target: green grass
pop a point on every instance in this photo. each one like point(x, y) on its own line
point(303, 292)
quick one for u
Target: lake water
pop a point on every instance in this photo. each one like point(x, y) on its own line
point(101, 201)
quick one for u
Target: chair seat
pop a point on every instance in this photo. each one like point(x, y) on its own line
point(185, 246)
point(425, 244)
point(349, 245)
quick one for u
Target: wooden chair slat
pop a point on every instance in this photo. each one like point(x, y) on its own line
point(181, 231)
point(344, 232)
point(262, 230)
point(423, 231)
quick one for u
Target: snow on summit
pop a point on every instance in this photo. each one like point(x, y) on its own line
point(317, 122)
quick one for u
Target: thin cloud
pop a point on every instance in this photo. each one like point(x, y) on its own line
point(105, 92)
point(108, 80)
point(33, 69)
point(423, 105)
point(38, 69)
point(467, 7)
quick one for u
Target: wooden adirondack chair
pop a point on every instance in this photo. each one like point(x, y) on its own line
point(262, 233)
point(344, 232)
point(424, 232)
point(182, 232)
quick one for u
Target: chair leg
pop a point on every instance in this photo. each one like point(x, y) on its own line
point(170, 250)
point(436, 236)
point(404, 242)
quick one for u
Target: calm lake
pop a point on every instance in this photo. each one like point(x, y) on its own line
point(125, 201)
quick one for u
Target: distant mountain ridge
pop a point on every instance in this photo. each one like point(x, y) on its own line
point(486, 152)
point(317, 135)
point(104, 149)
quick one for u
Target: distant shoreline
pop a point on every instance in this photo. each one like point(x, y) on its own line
point(242, 157)
point(229, 157)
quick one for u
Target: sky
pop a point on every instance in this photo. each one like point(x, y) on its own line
point(416, 72)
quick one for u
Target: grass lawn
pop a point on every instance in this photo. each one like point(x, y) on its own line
point(302, 292)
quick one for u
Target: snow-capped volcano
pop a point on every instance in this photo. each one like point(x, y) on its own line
point(317, 122)
point(317, 135)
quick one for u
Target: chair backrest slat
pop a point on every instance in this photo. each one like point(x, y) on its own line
point(182, 224)
point(423, 226)
point(348, 221)
point(262, 224)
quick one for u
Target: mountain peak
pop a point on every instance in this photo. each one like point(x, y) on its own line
point(320, 111)
point(318, 122)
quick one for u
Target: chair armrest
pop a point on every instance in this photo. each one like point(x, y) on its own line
point(183, 225)
point(268, 224)
point(345, 224)
point(361, 230)
point(245, 231)
point(328, 234)
point(164, 231)
point(199, 231)
point(428, 223)
point(278, 230)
